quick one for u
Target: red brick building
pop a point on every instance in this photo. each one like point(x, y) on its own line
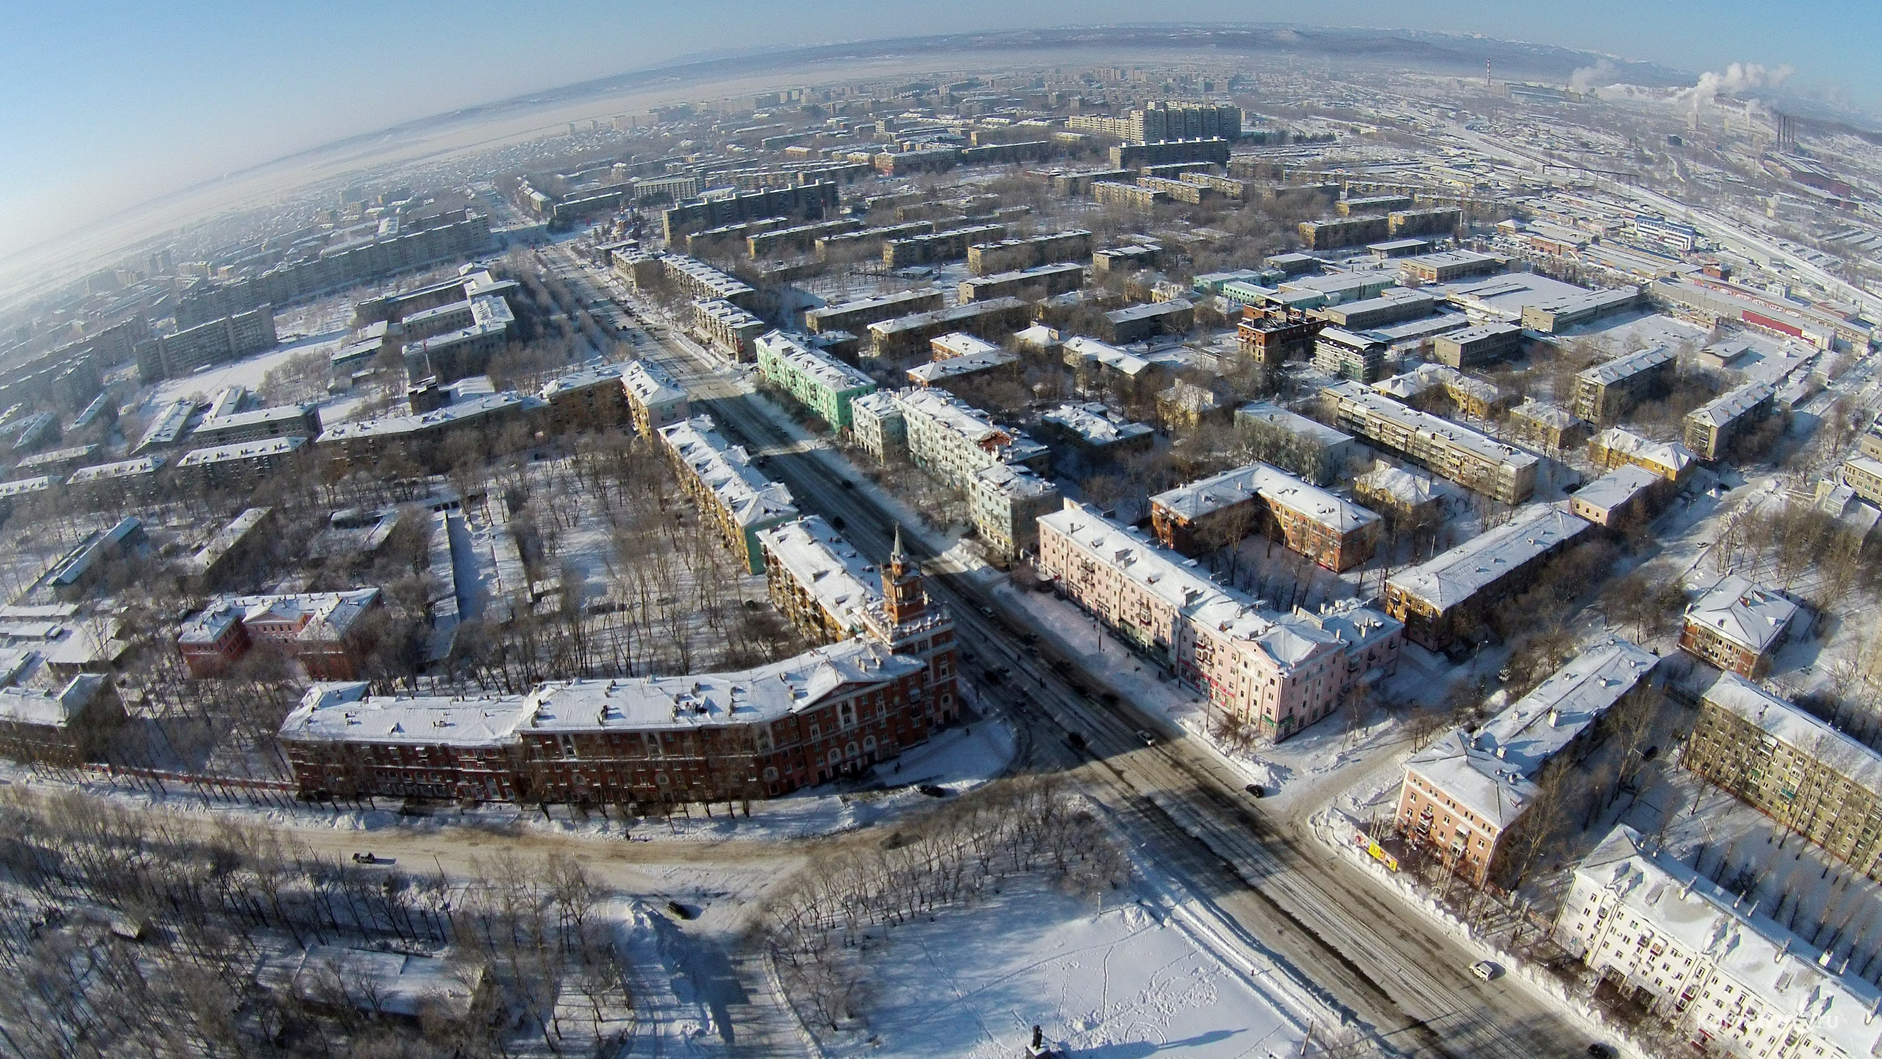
point(833, 711)
point(1203, 515)
point(316, 629)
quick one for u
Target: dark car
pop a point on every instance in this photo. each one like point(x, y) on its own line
point(933, 791)
point(1650, 753)
point(1077, 740)
point(1601, 1051)
point(847, 484)
point(1255, 789)
point(679, 911)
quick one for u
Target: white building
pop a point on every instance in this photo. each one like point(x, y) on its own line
point(1734, 981)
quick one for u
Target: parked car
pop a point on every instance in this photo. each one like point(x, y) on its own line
point(1485, 970)
point(1255, 789)
point(1077, 740)
point(1149, 740)
point(933, 791)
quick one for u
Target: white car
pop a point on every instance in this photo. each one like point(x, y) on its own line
point(1485, 970)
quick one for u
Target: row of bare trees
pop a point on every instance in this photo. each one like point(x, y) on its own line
point(137, 934)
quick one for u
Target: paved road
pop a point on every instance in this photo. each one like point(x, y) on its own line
point(1335, 932)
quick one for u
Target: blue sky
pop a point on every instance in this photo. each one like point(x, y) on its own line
point(105, 103)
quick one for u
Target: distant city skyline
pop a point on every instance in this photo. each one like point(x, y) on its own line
point(108, 105)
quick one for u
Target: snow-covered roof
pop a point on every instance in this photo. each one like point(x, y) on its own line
point(1436, 376)
point(1790, 725)
point(830, 373)
point(324, 616)
point(451, 413)
point(1743, 613)
point(1079, 349)
point(1014, 482)
point(873, 302)
point(1732, 404)
point(1454, 576)
point(50, 709)
point(1617, 487)
point(1659, 453)
point(1622, 367)
point(650, 383)
point(259, 449)
point(956, 416)
point(1408, 418)
point(921, 321)
point(964, 364)
point(1147, 311)
point(1544, 414)
point(597, 375)
point(1094, 423)
point(1489, 771)
point(1399, 484)
point(960, 344)
point(842, 581)
point(227, 538)
point(1200, 498)
point(333, 712)
point(120, 469)
point(1038, 336)
point(1292, 422)
point(24, 486)
point(726, 470)
point(1768, 962)
point(1288, 639)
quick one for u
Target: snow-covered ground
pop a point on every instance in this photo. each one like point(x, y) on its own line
point(1120, 982)
point(247, 372)
point(1628, 332)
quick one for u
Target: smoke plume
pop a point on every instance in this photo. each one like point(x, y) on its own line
point(1737, 78)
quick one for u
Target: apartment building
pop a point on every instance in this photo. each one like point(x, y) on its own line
point(811, 201)
point(952, 440)
point(1864, 475)
point(854, 315)
point(1164, 120)
point(134, 480)
point(1004, 501)
point(729, 491)
point(877, 426)
point(1091, 435)
point(1010, 255)
point(833, 711)
point(586, 401)
point(66, 726)
point(1204, 515)
point(1207, 150)
point(905, 338)
point(1471, 396)
point(1341, 232)
point(654, 400)
point(1274, 673)
point(936, 247)
point(1294, 443)
point(296, 420)
point(1355, 355)
point(1546, 427)
point(239, 466)
point(1712, 426)
point(1445, 597)
point(1737, 626)
point(1605, 392)
point(818, 580)
point(1465, 796)
point(1733, 981)
point(1130, 196)
point(1624, 497)
point(1406, 498)
point(214, 341)
point(319, 630)
point(727, 328)
point(1809, 777)
point(1138, 323)
point(1274, 336)
point(947, 371)
point(701, 282)
point(1615, 447)
point(1471, 459)
point(1476, 346)
point(425, 438)
point(1436, 220)
point(1040, 281)
point(462, 351)
point(819, 382)
point(1450, 265)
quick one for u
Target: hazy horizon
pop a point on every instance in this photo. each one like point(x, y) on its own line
point(109, 109)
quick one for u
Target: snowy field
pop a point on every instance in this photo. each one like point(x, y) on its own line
point(1121, 982)
point(247, 372)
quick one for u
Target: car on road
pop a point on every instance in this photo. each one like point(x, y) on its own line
point(1255, 789)
point(1149, 739)
point(1650, 753)
point(933, 791)
point(1601, 1051)
point(847, 484)
point(1077, 740)
point(985, 612)
point(679, 911)
point(365, 858)
point(1485, 970)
